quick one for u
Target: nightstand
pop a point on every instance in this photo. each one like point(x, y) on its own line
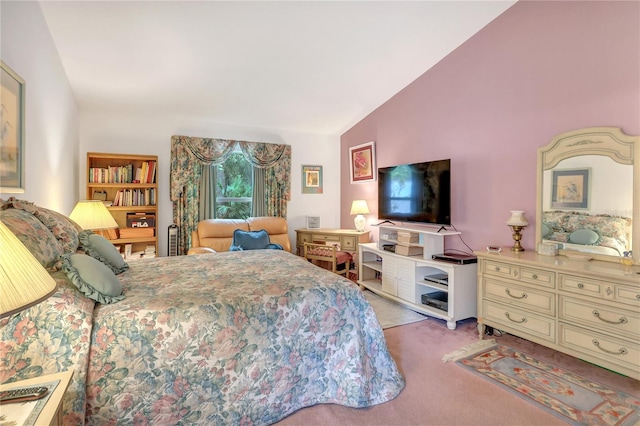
point(51, 414)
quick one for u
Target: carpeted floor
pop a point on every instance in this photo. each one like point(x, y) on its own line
point(440, 393)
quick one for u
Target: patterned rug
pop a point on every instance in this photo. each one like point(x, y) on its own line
point(568, 396)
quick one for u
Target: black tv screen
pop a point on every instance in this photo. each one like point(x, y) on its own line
point(419, 192)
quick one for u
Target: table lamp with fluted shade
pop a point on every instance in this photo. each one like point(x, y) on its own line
point(24, 282)
point(359, 208)
point(93, 215)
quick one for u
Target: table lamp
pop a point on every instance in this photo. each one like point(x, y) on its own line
point(23, 280)
point(359, 207)
point(517, 222)
point(93, 215)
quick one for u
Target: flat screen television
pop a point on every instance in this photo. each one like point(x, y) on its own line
point(419, 192)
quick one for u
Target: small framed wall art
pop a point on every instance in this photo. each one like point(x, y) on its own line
point(312, 179)
point(570, 189)
point(362, 162)
point(12, 136)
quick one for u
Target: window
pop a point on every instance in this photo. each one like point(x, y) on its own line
point(233, 187)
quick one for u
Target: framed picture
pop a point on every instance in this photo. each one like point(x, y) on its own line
point(12, 136)
point(313, 222)
point(570, 189)
point(362, 162)
point(312, 179)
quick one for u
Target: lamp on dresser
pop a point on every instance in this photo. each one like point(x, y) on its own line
point(517, 222)
point(359, 207)
point(93, 215)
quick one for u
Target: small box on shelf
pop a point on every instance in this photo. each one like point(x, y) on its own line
point(136, 232)
point(408, 250)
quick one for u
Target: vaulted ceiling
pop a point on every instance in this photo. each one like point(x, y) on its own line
point(308, 66)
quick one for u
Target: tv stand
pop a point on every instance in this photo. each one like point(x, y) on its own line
point(407, 278)
point(383, 222)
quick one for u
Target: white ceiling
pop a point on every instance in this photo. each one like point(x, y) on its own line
point(316, 67)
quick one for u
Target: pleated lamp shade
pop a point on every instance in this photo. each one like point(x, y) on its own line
point(23, 280)
point(92, 214)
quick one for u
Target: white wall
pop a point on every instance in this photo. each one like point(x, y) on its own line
point(51, 116)
point(140, 133)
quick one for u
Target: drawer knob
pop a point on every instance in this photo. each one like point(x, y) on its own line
point(609, 291)
point(622, 320)
point(523, 320)
point(637, 296)
point(524, 295)
point(497, 269)
point(621, 351)
point(534, 276)
point(580, 285)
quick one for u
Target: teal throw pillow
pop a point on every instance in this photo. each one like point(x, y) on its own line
point(94, 279)
point(585, 237)
point(100, 248)
point(249, 240)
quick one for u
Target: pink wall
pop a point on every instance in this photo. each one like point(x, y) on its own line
point(539, 69)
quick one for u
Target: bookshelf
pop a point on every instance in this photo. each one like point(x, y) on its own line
point(127, 184)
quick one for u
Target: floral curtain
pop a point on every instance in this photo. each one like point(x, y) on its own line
point(190, 154)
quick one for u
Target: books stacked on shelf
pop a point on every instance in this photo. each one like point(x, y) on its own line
point(146, 173)
point(135, 197)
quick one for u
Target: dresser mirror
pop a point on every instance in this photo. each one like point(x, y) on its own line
point(587, 197)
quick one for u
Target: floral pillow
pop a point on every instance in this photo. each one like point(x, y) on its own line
point(36, 237)
point(64, 229)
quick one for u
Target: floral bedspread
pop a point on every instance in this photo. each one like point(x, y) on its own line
point(234, 338)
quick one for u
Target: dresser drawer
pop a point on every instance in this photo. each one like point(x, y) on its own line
point(628, 295)
point(602, 317)
point(538, 277)
point(586, 286)
point(520, 320)
point(528, 275)
point(500, 269)
point(525, 297)
point(611, 351)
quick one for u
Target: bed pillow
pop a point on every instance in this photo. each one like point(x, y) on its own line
point(92, 278)
point(251, 240)
point(100, 248)
point(587, 237)
point(64, 229)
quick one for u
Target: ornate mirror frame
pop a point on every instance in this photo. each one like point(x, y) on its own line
point(606, 141)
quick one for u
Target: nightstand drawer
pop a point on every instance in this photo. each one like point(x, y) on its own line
point(538, 277)
point(524, 297)
point(519, 319)
point(605, 318)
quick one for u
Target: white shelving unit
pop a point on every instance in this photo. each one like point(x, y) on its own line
point(402, 278)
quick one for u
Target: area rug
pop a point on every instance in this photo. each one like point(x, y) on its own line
point(391, 314)
point(562, 393)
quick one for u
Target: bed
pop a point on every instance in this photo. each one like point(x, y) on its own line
point(243, 337)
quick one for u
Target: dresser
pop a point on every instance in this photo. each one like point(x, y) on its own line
point(587, 309)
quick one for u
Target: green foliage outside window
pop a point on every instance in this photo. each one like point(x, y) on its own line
point(234, 188)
